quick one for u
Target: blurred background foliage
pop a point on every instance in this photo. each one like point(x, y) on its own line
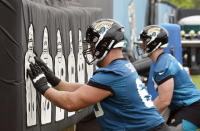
point(186, 3)
point(195, 79)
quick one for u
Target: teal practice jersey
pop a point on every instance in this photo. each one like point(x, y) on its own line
point(185, 92)
point(130, 108)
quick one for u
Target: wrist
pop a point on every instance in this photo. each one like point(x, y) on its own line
point(43, 89)
point(55, 81)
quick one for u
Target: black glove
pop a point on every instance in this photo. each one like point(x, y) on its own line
point(38, 78)
point(51, 78)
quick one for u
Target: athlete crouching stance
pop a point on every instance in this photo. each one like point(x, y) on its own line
point(175, 87)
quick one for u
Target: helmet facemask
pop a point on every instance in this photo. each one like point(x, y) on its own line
point(91, 38)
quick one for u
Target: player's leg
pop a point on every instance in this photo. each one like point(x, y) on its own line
point(184, 126)
point(186, 118)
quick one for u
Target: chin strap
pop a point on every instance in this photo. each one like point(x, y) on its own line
point(122, 43)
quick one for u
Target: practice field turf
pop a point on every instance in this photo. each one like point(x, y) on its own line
point(196, 80)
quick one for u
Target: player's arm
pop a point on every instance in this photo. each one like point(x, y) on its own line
point(84, 96)
point(67, 86)
point(165, 92)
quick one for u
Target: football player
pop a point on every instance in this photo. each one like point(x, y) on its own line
point(175, 87)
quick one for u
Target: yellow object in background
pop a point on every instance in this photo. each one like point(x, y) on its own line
point(192, 34)
point(182, 34)
point(196, 80)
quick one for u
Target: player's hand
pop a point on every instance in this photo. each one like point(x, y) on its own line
point(38, 78)
point(51, 78)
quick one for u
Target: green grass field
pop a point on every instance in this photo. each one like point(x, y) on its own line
point(196, 80)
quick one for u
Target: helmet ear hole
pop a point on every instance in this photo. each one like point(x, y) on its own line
point(154, 43)
point(101, 48)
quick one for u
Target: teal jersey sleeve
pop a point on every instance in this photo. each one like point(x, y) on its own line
point(103, 79)
point(131, 107)
point(184, 92)
point(165, 68)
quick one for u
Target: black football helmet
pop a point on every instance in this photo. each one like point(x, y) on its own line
point(153, 37)
point(101, 37)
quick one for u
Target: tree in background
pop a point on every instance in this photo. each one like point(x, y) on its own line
point(186, 3)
